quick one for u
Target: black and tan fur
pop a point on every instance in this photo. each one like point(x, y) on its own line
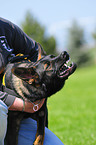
point(34, 81)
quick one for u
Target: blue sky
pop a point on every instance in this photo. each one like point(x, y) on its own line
point(55, 15)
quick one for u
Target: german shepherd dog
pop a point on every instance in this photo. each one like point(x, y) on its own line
point(35, 82)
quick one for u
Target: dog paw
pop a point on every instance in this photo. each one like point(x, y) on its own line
point(39, 140)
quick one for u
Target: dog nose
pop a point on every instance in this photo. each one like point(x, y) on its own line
point(65, 55)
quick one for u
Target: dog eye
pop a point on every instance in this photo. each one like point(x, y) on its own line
point(46, 65)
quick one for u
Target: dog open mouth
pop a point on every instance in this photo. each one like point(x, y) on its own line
point(66, 69)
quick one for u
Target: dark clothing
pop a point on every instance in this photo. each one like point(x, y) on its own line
point(15, 41)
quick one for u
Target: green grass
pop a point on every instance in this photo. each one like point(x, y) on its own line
point(72, 111)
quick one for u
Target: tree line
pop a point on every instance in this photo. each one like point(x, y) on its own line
point(76, 43)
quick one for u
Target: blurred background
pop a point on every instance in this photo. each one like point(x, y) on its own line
point(65, 25)
point(57, 25)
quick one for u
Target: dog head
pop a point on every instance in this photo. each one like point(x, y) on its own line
point(47, 74)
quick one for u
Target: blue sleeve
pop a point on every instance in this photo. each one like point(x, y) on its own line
point(7, 98)
point(17, 39)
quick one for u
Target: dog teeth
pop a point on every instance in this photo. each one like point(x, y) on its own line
point(67, 61)
point(65, 65)
point(62, 73)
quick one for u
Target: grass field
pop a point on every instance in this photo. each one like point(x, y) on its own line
point(72, 111)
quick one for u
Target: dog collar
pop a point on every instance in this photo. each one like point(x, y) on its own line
point(37, 105)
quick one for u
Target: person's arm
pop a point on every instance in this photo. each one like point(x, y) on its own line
point(19, 42)
point(15, 103)
point(19, 105)
point(17, 39)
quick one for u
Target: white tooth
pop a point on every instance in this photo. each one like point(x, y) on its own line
point(69, 67)
point(67, 61)
point(62, 73)
point(66, 65)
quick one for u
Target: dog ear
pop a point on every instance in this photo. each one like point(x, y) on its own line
point(24, 73)
point(41, 52)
